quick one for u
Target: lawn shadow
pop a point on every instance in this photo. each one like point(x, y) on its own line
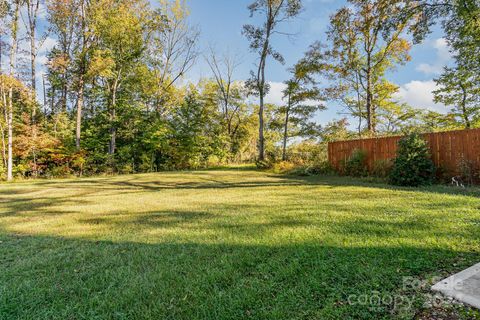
point(53, 277)
point(207, 179)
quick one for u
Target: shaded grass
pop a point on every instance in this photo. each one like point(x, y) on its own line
point(226, 244)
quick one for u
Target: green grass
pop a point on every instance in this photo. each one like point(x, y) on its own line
point(227, 244)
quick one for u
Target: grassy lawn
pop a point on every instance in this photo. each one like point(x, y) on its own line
point(228, 244)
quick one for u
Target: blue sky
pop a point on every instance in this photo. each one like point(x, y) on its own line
point(221, 23)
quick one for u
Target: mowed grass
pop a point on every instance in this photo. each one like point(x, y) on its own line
point(227, 244)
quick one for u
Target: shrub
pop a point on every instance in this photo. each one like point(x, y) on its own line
point(320, 168)
point(412, 166)
point(466, 169)
point(283, 167)
point(314, 169)
point(355, 166)
point(382, 168)
point(263, 165)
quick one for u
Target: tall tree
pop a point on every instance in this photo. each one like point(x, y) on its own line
point(302, 96)
point(273, 12)
point(365, 46)
point(31, 23)
point(120, 27)
point(459, 85)
point(458, 88)
point(13, 52)
point(82, 52)
point(230, 92)
point(173, 49)
point(63, 19)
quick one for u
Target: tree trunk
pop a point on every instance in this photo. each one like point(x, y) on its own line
point(13, 50)
point(4, 149)
point(285, 137)
point(33, 55)
point(78, 130)
point(370, 111)
point(261, 87)
point(113, 129)
point(359, 104)
point(464, 108)
point(261, 138)
point(10, 138)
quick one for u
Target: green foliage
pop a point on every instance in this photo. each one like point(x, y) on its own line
point(356, 166)
point(413, 165)
point(458, 87)
point(264, 164)
point(283, 167)
point(121, 62)
point(319, 168)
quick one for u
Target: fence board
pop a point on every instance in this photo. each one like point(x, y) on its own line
point(447, 149)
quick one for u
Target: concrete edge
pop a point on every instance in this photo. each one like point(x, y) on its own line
point(452, 286)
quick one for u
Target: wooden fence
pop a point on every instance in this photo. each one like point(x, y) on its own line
point(447, 149)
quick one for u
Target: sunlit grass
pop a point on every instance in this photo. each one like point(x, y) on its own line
point(224, 244)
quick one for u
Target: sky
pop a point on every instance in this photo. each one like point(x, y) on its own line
point(221, 21)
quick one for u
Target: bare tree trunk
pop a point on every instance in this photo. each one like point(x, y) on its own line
point(113, 115)
point(261, 138)
point(81, 80)
point(4, 149)
point(13, 51)
point(5, 114)
point(78, 131)
point(285, 135)
point(31, 26)
point(261, 91)
point(10, 141)
point(359, 104)
point(370, 115)
point(464, 108)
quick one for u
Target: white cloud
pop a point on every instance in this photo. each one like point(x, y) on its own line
point(418, 94)
point(44, 49)
point(47, 45)
point(443, 57)
point(275, 95)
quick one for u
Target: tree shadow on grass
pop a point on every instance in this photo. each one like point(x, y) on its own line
point(23, 206)
point(220, 179)
point(59, 278)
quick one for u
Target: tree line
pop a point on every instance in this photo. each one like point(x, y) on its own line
point(111, 96)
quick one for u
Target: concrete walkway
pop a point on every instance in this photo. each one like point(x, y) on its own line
point(463, 286)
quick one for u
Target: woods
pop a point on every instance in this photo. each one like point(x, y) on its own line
point(113, 94)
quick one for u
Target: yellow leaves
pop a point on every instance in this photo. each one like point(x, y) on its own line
point(101, 64)
point(118, 23)
point(23, 94)
point(401, 48)
point(176, 10)
point(59, 63)
point(31, 137)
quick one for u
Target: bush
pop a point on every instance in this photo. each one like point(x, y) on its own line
point(355, 166)
point(264, 164)
point(314, 169)
point(412, 166)
point(382, 168)
point(320, 168)
point(283, 167)
point(466, 169)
